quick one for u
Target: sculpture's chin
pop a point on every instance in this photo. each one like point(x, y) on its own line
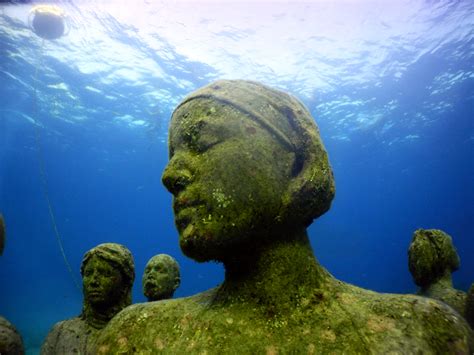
point(203, 243)
point(196, 249)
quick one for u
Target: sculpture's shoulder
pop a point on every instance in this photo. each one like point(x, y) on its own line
point(449, 295)
point(149, 325)
point(67, 337)
point(337, 319)
point(409, 323)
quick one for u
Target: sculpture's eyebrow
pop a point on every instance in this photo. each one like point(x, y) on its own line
point(192, 132)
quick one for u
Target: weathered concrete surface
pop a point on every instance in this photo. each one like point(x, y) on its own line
point(72, 336)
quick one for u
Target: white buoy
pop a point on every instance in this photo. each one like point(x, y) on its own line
point(47, 21)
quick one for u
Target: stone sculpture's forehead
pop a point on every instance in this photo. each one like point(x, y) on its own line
point(97, 264)
point(163, 259)
point(202, 124)
point(273, 110)
point(163, 263)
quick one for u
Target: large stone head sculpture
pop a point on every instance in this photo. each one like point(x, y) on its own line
point(246, 164)
point(431, 256)
point(108, 273)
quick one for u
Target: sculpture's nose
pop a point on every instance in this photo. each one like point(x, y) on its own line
point(176, 177)
point(94, 279)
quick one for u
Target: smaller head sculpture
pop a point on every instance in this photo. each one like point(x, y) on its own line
point(161, 277)
point(431, 256)
point(108, 273)
point(247, 166)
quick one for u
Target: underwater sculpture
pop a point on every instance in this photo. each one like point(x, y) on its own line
point(107, 277)
point(161, 277)
point(249, 173)
point(10, 340)
point(2, 234)
point(432, 258)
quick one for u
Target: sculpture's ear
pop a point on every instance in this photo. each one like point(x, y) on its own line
point(177, 281)
point(311, 188)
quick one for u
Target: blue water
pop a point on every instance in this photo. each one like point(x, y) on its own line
point(390, 84)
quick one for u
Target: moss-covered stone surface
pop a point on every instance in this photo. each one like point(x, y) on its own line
point(443, 290)
point(470, 306)
point(292, 307)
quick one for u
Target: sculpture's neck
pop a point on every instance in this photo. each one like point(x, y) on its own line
point(444, 282)
point(275, 275)
point(97, 317)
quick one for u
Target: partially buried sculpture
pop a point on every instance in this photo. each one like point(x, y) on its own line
point(107, 278)
point(432, 258)
point(161, 277)
point(10, 340)
point(249, 173)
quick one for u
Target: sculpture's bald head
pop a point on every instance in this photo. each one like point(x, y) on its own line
point(161, 277)
point(431, 256)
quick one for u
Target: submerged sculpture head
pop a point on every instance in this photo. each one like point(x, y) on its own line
point(431, 256)
point(161, 277)
point(246, 164)
point(107, 276)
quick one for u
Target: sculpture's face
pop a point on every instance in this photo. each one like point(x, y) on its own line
point(227, 175)
point(102, 282)
point(159, 280)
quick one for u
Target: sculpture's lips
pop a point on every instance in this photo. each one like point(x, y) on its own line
point(182, 220)
point(181, 201)
point(184, 208)
point(150, 284)
point(94, 293)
